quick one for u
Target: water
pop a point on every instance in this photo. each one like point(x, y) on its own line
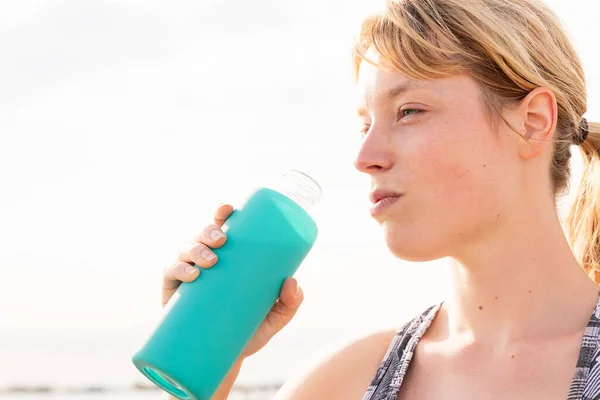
point(104, 396)
point(120, 397)
point(157, 395)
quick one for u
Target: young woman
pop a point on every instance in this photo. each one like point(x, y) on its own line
point(470, 111)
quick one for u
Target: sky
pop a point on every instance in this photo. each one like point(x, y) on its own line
point(124, 123)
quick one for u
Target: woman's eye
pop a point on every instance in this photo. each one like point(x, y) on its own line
point(409, 111)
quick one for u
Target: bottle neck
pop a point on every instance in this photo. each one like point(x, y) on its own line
point(300, 188)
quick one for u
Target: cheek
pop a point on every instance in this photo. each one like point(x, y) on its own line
point(459, 184)
point(461, 167)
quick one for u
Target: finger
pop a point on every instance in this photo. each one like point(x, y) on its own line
point(197, 253)
point(212, 235)
point(222, 213)
point(177, 273)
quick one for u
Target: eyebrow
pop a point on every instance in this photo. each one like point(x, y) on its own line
point(397, 91)
point(404, 87)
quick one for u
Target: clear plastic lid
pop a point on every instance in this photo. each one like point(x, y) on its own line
point(299, 187)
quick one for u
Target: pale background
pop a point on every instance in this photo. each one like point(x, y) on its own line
point(124, 123)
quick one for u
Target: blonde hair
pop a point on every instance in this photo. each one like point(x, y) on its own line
point(510, 47)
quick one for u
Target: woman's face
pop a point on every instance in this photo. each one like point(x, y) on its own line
point(431, 142)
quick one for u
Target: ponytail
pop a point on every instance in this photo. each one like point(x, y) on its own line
point(583, 221)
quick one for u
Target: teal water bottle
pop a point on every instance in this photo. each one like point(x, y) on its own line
point(207, 323)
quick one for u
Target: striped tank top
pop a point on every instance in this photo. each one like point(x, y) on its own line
point(388, 379)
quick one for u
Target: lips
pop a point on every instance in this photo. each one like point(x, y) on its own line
point(380, 194)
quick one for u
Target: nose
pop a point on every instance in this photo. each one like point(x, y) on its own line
point(375, 154)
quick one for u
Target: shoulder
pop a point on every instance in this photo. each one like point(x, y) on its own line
point(341, 371)
point(346, 370)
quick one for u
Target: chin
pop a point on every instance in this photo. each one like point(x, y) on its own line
point(409, 246)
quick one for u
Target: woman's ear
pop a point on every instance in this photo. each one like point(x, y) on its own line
point(539, 112)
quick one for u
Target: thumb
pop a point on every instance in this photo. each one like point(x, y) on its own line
point(285, 308)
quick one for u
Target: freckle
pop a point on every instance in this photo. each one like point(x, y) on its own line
point(530, 291)
point(496, 297)
point(484, 165)
point(480, 307)
point(498, 215)
point(512, 356)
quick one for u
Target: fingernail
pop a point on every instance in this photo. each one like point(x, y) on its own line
point(297, 290)
point(208, 255)
point(216, 234)
point(190, 270)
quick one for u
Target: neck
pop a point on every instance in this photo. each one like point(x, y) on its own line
point(519, 283)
